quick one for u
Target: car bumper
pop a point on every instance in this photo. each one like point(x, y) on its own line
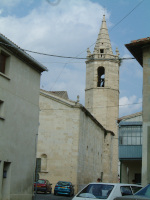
point(40, 189)
point(62, 191)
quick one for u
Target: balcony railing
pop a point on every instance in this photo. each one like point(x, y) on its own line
point(130, 152)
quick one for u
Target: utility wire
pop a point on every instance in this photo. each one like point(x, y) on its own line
point(110, 30)
point(126, 15)
point(121, 20)
point(68, 57)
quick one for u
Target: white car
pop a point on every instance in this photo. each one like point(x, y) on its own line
point(106, 191)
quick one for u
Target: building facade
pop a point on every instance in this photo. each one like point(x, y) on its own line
point(71, 142)
point(102, 91)
point(130, 148)
point(19, 117)
point(140, 49)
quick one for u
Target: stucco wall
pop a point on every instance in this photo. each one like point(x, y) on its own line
point(19, 91)
point(146, 116)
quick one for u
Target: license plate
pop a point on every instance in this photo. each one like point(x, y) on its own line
point(62, 187)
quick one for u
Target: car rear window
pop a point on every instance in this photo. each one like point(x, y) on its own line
point(96, 191)
point(41, 181)
point(63, 183)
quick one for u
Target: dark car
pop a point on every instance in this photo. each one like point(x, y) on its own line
point(43, 185)
point(64, 187)
point(144, 193)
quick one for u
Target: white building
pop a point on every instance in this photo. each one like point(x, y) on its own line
point(19, 118)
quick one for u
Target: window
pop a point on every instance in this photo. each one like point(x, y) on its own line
point(125, 190)
point(100, 76)
point(1, 109)
point(96, 191)
point(101, 50)
point(4, 62)
point(130, 135)
point(135, 188)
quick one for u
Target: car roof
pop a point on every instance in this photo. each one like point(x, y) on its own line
point(121, 184)
point(64, 181)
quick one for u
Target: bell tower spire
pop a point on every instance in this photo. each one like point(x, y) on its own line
point(102, 95)
point(103, 41)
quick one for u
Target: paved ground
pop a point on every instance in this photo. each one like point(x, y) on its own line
point(51, 197)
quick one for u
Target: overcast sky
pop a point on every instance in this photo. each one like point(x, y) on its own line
point(68, 28)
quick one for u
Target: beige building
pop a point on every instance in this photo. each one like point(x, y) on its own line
point(102, 91)
point(72, 144)
point(140, 49)
point(19, 118)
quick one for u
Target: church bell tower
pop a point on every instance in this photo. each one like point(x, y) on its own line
point(102, 88)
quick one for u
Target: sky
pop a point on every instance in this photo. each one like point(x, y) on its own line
point(68, 28)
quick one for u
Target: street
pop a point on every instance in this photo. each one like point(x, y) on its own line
point(41, 196)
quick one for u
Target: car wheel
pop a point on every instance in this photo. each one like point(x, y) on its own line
point(70, 194)
point(45, 191)
point(54, 193)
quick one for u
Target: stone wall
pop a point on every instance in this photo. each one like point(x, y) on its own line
point(71, 141)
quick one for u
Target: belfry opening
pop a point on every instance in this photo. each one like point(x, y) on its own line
point(100, 77)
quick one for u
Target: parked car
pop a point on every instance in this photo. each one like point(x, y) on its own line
point(142, 194)
point(106, 191)
point(43, 185)
point(64, 187)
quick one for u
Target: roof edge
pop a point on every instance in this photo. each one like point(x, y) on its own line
point(21, 53)
point(74, 104)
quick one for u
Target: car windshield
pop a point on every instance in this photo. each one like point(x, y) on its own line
point(41, 181)
point(63, 183)
point(96, 191)
point(144, 191)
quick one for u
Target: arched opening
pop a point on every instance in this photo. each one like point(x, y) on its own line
point(43, 162)
point(101, 77)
